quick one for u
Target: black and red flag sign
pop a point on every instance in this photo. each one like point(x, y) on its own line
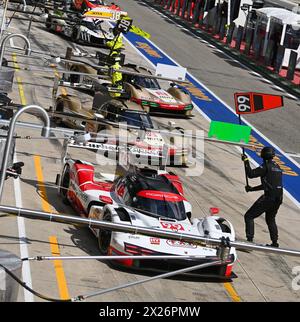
point(248, 103)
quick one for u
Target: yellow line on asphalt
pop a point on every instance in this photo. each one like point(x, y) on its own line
point(232, 292)
point(40, 178)
point(60, 275)
point(59, 270)
point(19, 81)
point(58, 266)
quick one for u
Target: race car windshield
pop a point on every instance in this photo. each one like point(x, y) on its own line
point(161, 208)
point(136, 119)
point(146, 82)
point(97, 2)
point(91, 25)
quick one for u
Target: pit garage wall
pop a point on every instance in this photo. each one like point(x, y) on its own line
point(212, 16)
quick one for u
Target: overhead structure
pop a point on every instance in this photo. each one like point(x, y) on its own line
point(290, 21)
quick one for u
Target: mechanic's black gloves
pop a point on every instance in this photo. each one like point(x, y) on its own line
point(248, 188)
point(244, 157)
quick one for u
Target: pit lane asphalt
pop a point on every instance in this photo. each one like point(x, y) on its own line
point(261, 277)
point(220, 74)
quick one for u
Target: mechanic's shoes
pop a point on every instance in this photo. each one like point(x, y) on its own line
point(273, 245)
point(18, 167)
point(15, 171)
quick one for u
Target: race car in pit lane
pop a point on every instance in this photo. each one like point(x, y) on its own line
point(146, 91)
point(150, 198)
point(142, 138)
point(84, 5)
point(85, 30)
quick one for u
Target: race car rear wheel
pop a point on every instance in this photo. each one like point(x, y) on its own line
point(104, 237)
point(75, 35)
point(65, 183)
point(48, 23)
point(60, 109)
point(74, 78)
point(188, 113)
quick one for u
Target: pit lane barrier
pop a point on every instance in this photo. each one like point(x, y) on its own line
point(246, 43)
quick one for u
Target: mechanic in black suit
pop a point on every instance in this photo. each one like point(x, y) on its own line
point(270, 201)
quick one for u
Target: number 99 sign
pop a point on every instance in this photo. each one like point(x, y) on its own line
point(247, 103)
point(242, 103)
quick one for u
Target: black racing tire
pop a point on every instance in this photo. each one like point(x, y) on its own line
point(65, 184)
point(75, 35)
point(59, 109)
point(74, 78)
point(48, 23)
point(4, 62)
point(104, 237)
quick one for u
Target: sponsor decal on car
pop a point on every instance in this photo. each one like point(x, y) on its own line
point(172, 226)
point(154, 241)
point(179, 243)
point(162, 95)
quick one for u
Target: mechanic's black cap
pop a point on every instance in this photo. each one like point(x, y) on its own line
point(267, 153)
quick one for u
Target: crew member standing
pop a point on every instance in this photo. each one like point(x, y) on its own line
point(270, 201)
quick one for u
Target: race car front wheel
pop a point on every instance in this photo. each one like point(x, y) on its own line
point(104, 237)
point(65, 183)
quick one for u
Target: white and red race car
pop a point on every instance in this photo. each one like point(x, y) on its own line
point(84, 5)
point(146, 198)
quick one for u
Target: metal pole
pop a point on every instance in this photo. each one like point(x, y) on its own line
point(228, 13)
point(165, 275)
point(125, 228)
point(26, 125)
point(3, 18)
point(12, 125)
point(266, 37)
point(107, 257)
point(283, 34)
point(4, 41)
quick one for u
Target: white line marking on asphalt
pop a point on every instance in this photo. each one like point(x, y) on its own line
point(267, 81)
point(227, 106)
point(254, 73)
point(292, 96)
point(278, 88)
point(293, 155)
point(26, 273)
